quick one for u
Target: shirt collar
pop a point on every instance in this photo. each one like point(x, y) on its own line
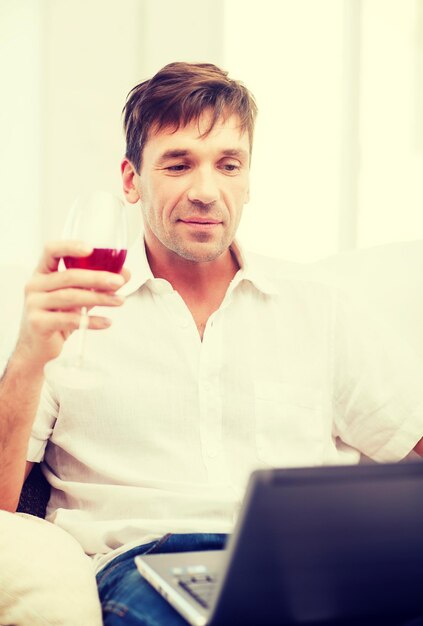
point(250, 269)
point(137, 263)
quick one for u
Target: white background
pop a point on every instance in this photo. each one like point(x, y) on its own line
point(338, 158)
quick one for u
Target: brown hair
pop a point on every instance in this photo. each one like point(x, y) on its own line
point(177, 95)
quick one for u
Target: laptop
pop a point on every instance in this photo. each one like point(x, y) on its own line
point(328, 545)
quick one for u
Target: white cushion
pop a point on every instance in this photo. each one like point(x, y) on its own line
point(45, 577)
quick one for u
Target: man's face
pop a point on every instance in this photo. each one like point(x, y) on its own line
point(192, 188)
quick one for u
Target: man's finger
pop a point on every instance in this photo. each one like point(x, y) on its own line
point(68, 299)
point(75, 278)
point(48, 322)
point(55, 250)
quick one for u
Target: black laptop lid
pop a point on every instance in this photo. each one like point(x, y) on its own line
point(332, 544)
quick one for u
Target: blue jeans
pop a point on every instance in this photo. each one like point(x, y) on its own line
point(128, 600)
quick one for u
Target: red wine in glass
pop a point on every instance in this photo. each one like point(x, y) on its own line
point(99, 220)
point(106, 259)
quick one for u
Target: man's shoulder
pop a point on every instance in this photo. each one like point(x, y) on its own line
point(291, 275)
point(270, 264)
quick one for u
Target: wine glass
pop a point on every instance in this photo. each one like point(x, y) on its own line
point(99, 220)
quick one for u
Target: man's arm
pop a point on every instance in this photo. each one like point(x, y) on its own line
point(20, 390)
point(53, 301)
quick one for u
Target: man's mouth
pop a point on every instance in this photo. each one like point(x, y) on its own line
point(200, 221)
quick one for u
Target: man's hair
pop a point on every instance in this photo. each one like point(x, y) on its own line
point(177, 95)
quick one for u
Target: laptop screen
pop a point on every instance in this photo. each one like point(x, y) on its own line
point(328, 544)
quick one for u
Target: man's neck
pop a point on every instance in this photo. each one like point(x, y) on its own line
point(202, 286)
point(193, 277)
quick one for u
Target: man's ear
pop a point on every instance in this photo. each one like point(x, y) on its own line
point(130, 181)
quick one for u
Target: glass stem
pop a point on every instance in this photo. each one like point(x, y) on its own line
point(83, 325)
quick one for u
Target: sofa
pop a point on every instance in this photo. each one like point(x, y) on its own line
point(35, 494)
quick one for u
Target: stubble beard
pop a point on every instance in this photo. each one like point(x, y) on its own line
point(202, 249)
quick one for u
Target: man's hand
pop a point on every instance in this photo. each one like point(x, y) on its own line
point(53, 301)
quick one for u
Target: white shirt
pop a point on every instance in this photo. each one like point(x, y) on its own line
point(282, 377)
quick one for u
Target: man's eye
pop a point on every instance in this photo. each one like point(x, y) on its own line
point(177, 168)
point(231, 167)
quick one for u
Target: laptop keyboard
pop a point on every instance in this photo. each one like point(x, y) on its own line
point(198, 582)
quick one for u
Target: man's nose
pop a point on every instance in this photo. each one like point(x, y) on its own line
point(203, 188)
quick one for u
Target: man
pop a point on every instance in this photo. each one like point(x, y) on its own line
point(217, 364)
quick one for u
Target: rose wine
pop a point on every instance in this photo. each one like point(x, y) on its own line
point(107, 259)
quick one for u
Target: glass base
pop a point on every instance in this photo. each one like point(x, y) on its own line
point(73, 375)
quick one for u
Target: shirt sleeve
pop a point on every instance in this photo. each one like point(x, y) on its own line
point(44, 422)
point(377, 386)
